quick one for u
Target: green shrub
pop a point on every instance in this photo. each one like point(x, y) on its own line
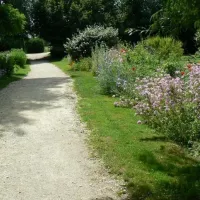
point(10, 64)
point(82, 43)
point(164, 47)
point(11, 42)
point(84, 64)
point(9, 59)
point(154, 53)
point(144, 62)
point(35, 45)
point(19, 57)
point(3, 60)
point(7, 62)
point(57, 51)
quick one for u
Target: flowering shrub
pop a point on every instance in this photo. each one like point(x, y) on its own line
point(81, 44)
point(171, 105)
point(156, 52)
point(113, 74)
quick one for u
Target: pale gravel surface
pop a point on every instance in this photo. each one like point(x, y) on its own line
point(43, 154)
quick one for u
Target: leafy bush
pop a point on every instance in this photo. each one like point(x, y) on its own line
point(10, 64)
point(9, 59)
point(19, 57)
point(57, 51)
point(7, 63)
point(11, 42)
point(172, 105)
point(163, 47)
point(84, 64)
point(145, 62)
point(82, 43)
point(3, 60)
point(35, 45)
point(156, 52)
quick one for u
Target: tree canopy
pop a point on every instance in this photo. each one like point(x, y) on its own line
point(12, 22)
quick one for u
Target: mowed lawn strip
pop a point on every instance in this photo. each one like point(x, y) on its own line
point(152, 167)
point(18, 74)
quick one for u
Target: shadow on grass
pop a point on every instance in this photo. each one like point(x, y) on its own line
point(154, 139)
point(183, 172)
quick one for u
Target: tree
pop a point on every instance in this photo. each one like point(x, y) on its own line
point(180, 18)
point(136, 17)
point(56, 20)
point(12, 22)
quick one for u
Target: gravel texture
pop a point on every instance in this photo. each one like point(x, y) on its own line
point(43, 154)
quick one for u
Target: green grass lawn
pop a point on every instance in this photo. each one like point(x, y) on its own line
point(18, 74)
point(152, 167)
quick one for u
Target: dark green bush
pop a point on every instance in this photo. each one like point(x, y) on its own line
point(12, 42)
point(10, 64)
point(35, 45)
point(57, 51)
point(82, 43)
point(3, 60)
point(19, 57)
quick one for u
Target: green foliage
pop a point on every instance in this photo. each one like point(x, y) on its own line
point(117, 69)
point(3, 60)
point(35, 45)
point(50, 21)
point(82, 43)
point(11, 42)
point(12, 21)
point(19, 57)
point(84, 64)
point(156, 52)
point(9, 59)
point(57, 51)
point(176, 16)
point(163, 47)
point(197, 37)
point(10, 64)
point(135, 15)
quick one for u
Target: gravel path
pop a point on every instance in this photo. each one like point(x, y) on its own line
point(43, 155)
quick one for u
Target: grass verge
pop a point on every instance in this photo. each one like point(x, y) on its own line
point(152, 167)
point(18, 74)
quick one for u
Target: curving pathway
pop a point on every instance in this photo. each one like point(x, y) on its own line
point(43, 155)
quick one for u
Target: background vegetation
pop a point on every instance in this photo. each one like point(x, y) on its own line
point(138, 51)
